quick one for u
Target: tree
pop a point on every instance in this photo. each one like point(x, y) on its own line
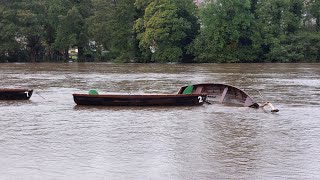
point(163, 28)
point(111, 27)
point(227, 32)
point(278, 20)
point(29, 20)
point(188, 10)
point(314, 9)
point(313, 12)
point(8, 29)
point(72, 29)
point(54, 9)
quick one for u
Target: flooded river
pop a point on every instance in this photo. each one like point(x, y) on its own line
point(49, 137)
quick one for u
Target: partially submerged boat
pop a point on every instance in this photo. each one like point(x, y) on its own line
point(191, 95)
point(94, 99)
point(224, 93)
point(15, 94)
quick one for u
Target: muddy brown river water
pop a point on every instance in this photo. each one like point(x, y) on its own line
point(49, 137)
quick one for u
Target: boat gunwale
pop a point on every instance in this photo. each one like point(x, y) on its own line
point(137, 95)
point(14, 90)
point(208, 84)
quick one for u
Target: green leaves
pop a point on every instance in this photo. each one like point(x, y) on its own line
point(227, 30)
point(163, 28)
point(313, 7)
point(279, 20)
point(69, 30)
point(255, 31)
point(8, 31)
point(111, 27)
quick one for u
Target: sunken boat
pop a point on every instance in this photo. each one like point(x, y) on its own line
point(225, 94)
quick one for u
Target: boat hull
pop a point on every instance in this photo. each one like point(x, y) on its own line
point(221, 93)
point(139, 100)
point(15, 94)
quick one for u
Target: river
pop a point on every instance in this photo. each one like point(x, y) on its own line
point(49, 137)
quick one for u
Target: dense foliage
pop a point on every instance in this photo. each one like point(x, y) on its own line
point(160, 30)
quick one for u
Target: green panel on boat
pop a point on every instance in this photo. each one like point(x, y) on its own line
point(188, 90)
point(93, 92)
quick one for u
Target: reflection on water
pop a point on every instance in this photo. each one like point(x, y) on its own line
point(49, 137)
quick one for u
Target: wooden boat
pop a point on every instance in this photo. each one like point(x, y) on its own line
point(15, 94)
point(224, 93)
point(140, 100)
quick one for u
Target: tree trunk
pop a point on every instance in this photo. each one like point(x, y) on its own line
point(318, 24)
point(81, 54)
point(33, 44)
point(66, 55)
